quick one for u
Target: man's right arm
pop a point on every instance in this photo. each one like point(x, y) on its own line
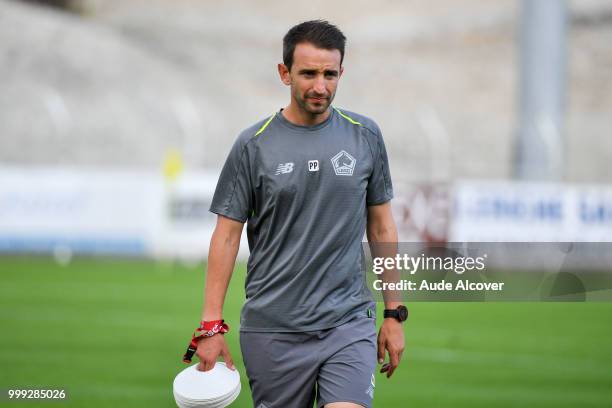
point(224, 246)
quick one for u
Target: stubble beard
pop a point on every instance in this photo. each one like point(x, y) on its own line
point(314, 108)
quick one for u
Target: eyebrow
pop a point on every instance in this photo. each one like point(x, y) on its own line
point(314, 71)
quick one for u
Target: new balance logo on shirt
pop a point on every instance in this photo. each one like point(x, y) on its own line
point(284, 168)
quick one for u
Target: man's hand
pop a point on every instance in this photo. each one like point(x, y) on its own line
point(390, 338)
point(209, 348)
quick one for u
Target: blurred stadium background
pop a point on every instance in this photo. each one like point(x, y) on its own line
point(116, 116)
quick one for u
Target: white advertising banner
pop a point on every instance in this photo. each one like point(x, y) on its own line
point(528, 212)
point(100, 211)
point(94, 211)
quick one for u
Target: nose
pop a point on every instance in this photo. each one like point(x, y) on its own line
point(319, 85)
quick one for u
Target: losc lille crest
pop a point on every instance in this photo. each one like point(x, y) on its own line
point(343, 163)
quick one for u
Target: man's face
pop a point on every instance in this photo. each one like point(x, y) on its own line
point(313, 77)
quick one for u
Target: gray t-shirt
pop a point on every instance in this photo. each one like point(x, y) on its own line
point(304, 192)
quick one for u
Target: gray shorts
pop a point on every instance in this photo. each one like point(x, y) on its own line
point(290, 370)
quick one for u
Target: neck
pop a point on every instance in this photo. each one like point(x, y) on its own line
point(300, 117)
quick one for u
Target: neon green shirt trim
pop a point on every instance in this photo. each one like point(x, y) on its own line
point(354, 122)
point(265, 125)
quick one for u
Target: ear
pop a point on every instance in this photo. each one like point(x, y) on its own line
point(341, 71)
point(284, 74)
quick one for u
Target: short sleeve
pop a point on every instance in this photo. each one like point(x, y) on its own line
point(233, 195)
point(380, 189)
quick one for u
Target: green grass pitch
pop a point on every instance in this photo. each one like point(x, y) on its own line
point(112, 333)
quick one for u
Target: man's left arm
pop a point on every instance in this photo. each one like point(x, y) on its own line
point(382, 238)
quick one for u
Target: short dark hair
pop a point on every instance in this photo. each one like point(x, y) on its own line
point(319, 33)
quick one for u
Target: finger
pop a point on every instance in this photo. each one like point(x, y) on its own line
point(381, 350)
point(384, 368)
point(204, 365)
point(394, 361)
point(390, 371)
point(227, 357)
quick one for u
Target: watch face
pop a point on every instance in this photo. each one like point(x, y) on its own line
point(402, 313)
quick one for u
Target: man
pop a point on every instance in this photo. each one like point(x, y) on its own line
point(308, 181)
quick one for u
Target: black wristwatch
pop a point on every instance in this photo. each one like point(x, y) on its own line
point(400, 314)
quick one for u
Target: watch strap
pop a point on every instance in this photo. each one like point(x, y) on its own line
point(400, 313)
point(391, 313)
